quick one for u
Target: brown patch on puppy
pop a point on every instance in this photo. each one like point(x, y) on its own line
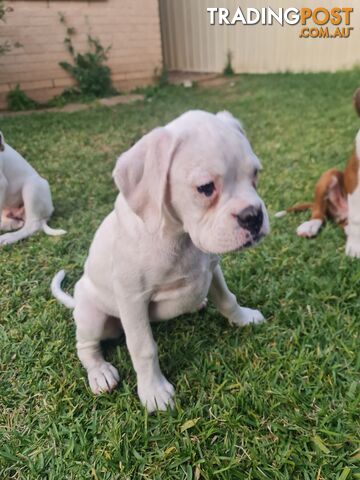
point(337, 206)
point(330, 196)
point(300, 207)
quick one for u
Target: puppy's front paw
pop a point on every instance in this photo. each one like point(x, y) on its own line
point(309, 229)
point(157, 395)
point(245, 316)
point(103, 378)
point(353, 248)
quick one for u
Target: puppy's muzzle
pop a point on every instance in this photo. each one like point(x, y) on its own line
point(251, 219)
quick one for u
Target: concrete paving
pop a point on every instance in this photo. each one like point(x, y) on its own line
point(78, 107)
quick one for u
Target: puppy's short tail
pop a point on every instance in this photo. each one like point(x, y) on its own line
point(52, 231)
point(296, 208)
point(59, 294)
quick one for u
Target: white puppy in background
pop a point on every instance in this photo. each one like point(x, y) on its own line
point(25, 198)
point(188, 193)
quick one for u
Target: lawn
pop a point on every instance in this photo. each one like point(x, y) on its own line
point(275, 401)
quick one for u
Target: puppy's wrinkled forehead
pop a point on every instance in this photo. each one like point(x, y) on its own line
point(214, 142)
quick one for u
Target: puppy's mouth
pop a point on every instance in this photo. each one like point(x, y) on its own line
point(248, 239)
point(254, 240)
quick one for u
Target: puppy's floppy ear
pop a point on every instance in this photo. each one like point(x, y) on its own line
point(141, 174)
point(2, 142)
point(230, 120)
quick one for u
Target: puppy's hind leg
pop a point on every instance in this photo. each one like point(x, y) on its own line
point(7, 223)
point(22, 233)
point(352, 182)
point(38, 208)
point(353, 228)
point(90, 331)
point(26, 231)
point(320, 206)
point(226, 303)
point(43, 208)
point(12, 219)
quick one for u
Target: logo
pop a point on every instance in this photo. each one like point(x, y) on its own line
point(319, 22)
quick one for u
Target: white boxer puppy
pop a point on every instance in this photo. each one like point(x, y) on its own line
point(188, 193)
point(25, 198)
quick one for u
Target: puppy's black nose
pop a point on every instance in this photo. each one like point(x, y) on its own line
point(251, 218)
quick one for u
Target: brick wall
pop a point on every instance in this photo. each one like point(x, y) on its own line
point(131, 27)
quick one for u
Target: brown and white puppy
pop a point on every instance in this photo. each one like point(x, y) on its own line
point(337, 197)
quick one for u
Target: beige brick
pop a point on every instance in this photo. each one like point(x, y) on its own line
point(33, 76)
point(125, 85)
point(44, 94)
point(25, 61)
point(4, 88)
point(28, 86)
point(118, 77)
point(137, 75)
point(64, 82)
point(32, 67)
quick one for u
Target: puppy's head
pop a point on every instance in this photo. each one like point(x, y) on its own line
point(213, 183)
point(201, 171)
point(2, 142)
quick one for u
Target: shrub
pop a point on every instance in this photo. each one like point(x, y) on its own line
point(69, 95)
point(18, 100)
point(92, 76)
point(228, 70)
point(161, 76)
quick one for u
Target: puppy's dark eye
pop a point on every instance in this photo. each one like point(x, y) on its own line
point(207, 189)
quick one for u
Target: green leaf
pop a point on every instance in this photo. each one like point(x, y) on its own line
point(189, 424)
point(319, 443)
point(344, 474)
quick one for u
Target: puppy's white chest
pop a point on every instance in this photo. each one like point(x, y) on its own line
point(188, 282)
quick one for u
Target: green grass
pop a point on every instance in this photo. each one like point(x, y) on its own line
point(277, 401)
